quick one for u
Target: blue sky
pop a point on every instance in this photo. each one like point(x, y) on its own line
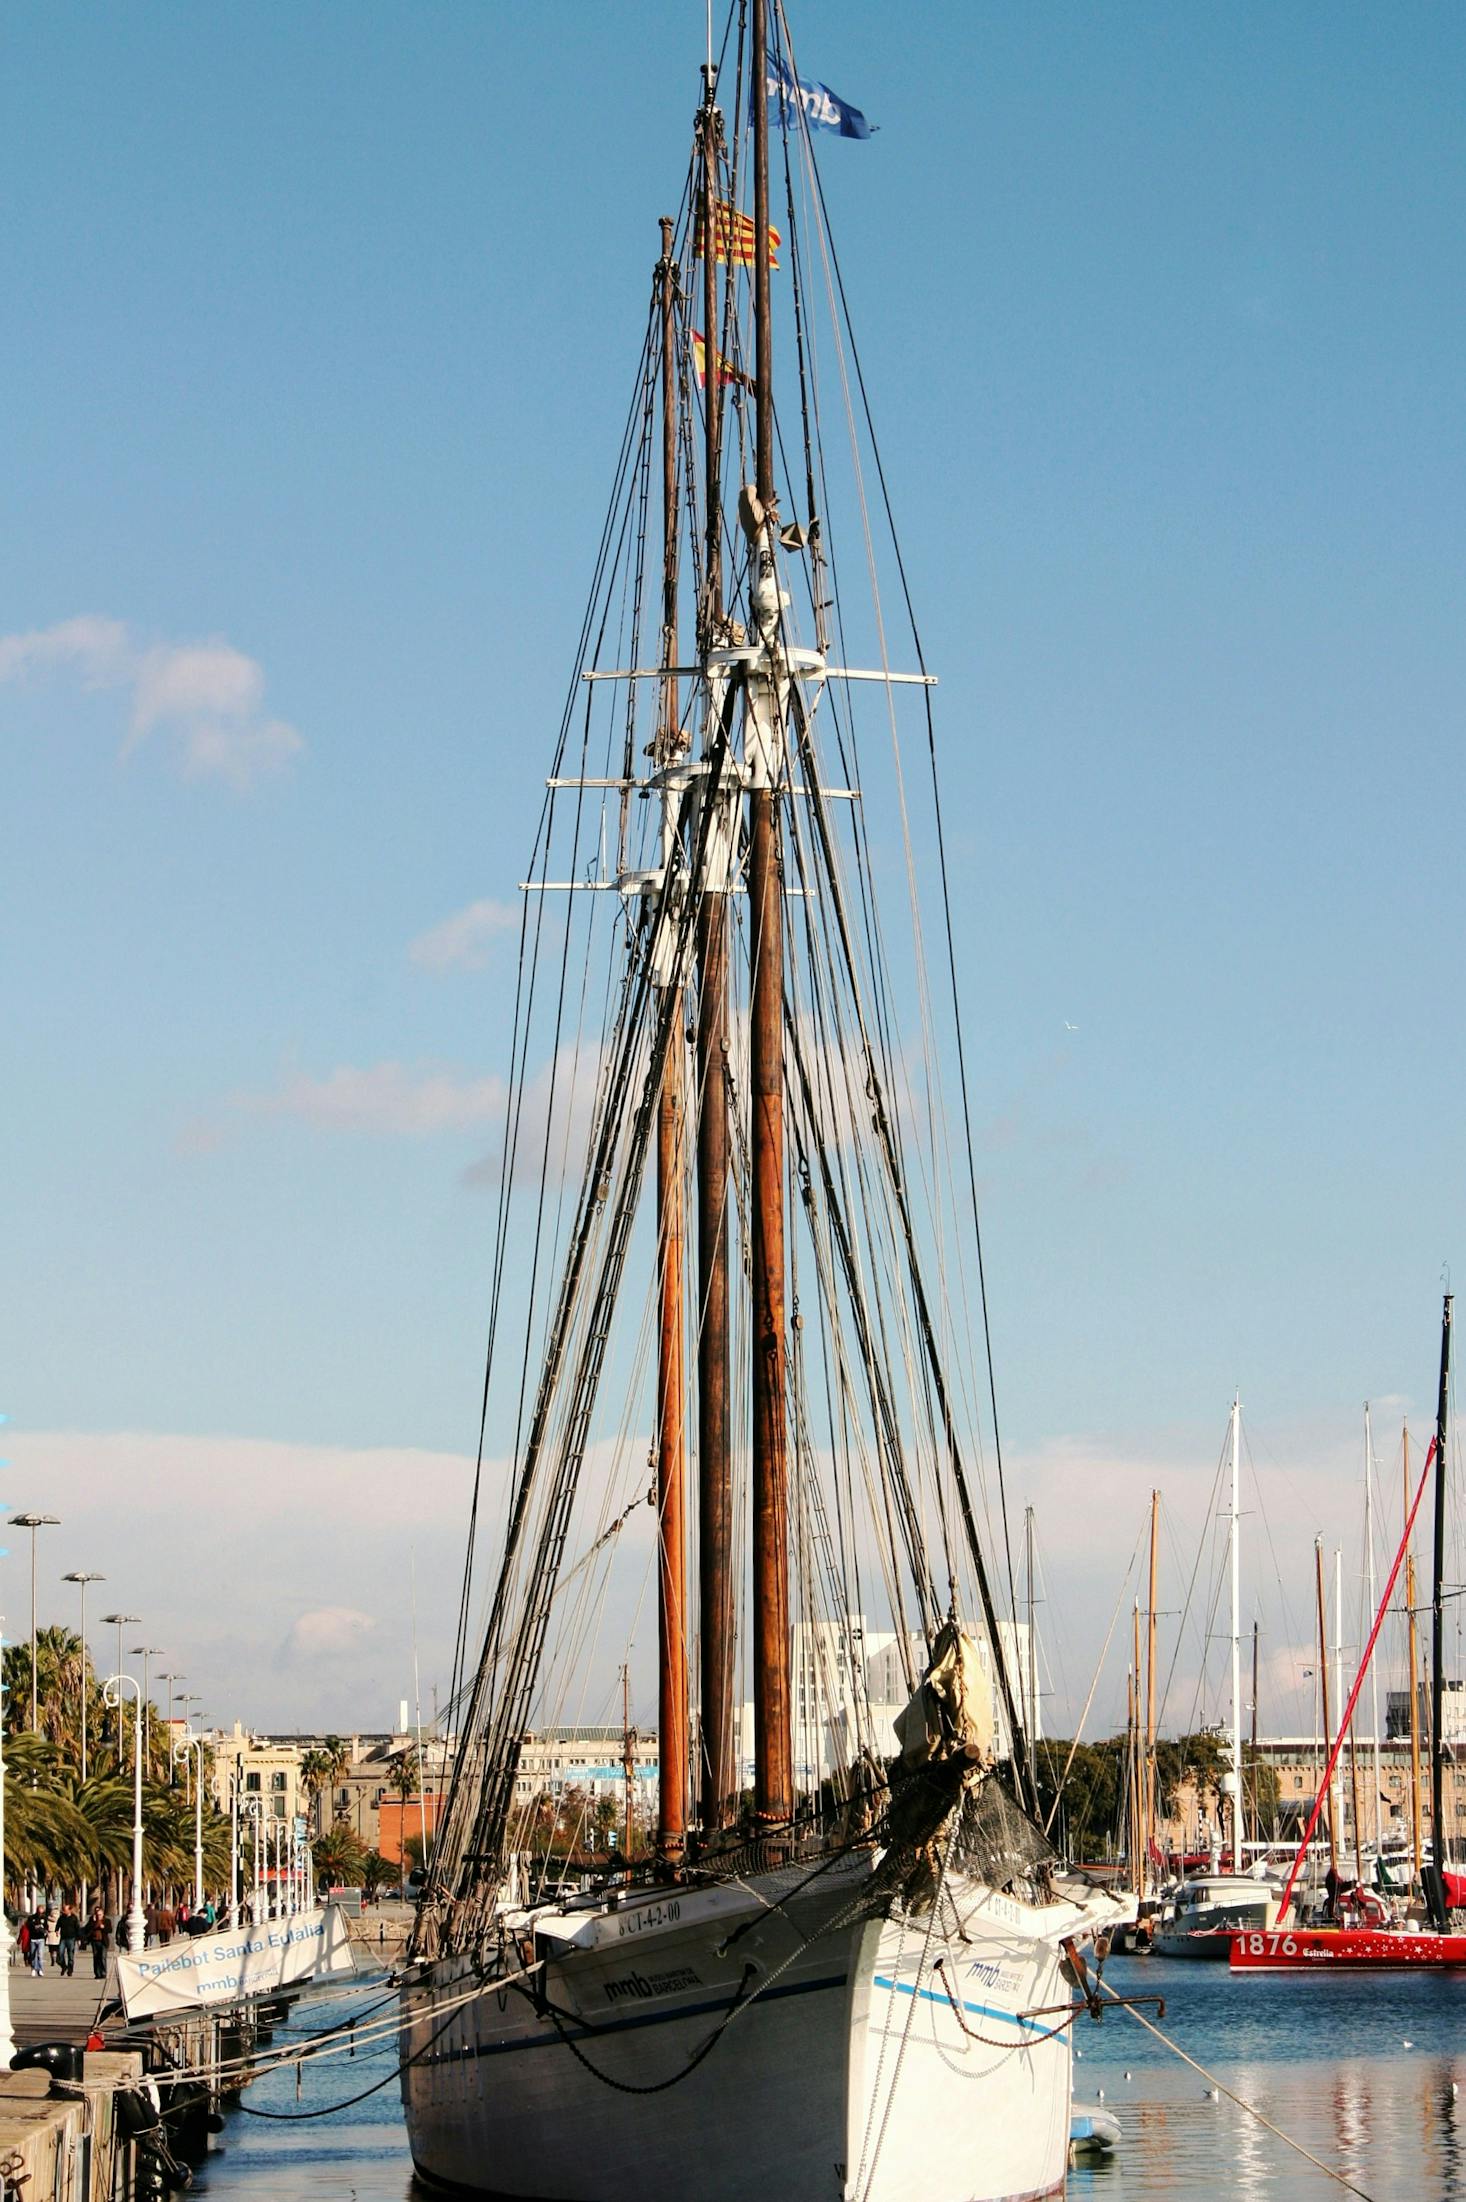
point(322, 328)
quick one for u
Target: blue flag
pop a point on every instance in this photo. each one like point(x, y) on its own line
point(823, 109)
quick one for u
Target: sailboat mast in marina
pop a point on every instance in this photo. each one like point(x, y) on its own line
point(731, 1277)
point(1381, 1943)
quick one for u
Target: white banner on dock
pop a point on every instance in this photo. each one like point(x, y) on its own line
point(234, 1962)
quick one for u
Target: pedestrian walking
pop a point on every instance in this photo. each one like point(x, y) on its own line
point(68, 1934)
point(36, 1930)
point(97, 1933)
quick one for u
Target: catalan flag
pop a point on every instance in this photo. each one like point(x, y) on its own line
point(734, 237)
point(726, 371)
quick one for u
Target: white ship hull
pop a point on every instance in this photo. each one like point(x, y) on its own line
point(705, 2045)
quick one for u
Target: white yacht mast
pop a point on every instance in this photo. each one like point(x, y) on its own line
point(1369, 1583)
point(1031, 1677)
point(1237, 1866)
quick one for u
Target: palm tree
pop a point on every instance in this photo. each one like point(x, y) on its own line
point(340, 1857)
point(406, 1779)
point(315, 1773)
point(320, 1770)
point(61, 1672)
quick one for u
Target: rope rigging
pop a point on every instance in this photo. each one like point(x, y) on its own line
point(887, 1464)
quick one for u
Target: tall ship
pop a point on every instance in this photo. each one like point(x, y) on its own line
point(738, 1359)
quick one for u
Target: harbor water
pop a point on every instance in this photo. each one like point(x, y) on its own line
point(1361, 2071)
point(354, 2154)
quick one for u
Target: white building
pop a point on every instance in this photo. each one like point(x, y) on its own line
point(851, 1683)
point(1453, 1711)
point(554, 1760)
point(264, 1768)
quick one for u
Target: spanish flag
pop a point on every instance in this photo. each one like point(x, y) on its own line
point(734, 237)
point(726, 372)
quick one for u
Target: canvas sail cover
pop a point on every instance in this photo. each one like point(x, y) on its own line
point(952, 1712)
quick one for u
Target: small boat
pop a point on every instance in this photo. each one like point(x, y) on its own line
point(1092, 2133)
point(1205, 1916)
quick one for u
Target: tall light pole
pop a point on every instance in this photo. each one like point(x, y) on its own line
point(194, 1700)
point(145, 1652)
point(170, 1678)
point(113, 1692)
point(252, 1806)
point(234, 1781)
point(7, 2035)
point(82, 1576)
point(33, 1522)
point(122, 1620)
point(181, 1749)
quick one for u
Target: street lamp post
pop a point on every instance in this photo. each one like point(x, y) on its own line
point(234, 1781)
point(181, 1749)
point(116, 1687)
point(145, 1652)
point(170, 1678)
point(81, 1576)
point(122, 1620)
point(252, 1807)
point(33, 1522)
point(7, 2033)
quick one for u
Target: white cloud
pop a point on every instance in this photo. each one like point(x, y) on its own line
point(301, 1557)
point(1307, 1483)
point(96, 648)
point(208, 679)
point(394, 1100)
point(206, 698)
point(388, 1099)
point(464, 941)
point(329, 1632)
point(554, 1124)
point(211, 750)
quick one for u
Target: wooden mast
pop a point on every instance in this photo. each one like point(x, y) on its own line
point(1439, 1839)
point(1149, 1812)
point(714, 1470)
point(671, 1227)
point(773, 1742)
point(1137, 1782)
point(628, 1770)
point(1323, 1677)
point(1417, 1847)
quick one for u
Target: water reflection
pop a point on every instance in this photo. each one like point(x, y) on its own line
point(1326, 2061)
point(357, 2155)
